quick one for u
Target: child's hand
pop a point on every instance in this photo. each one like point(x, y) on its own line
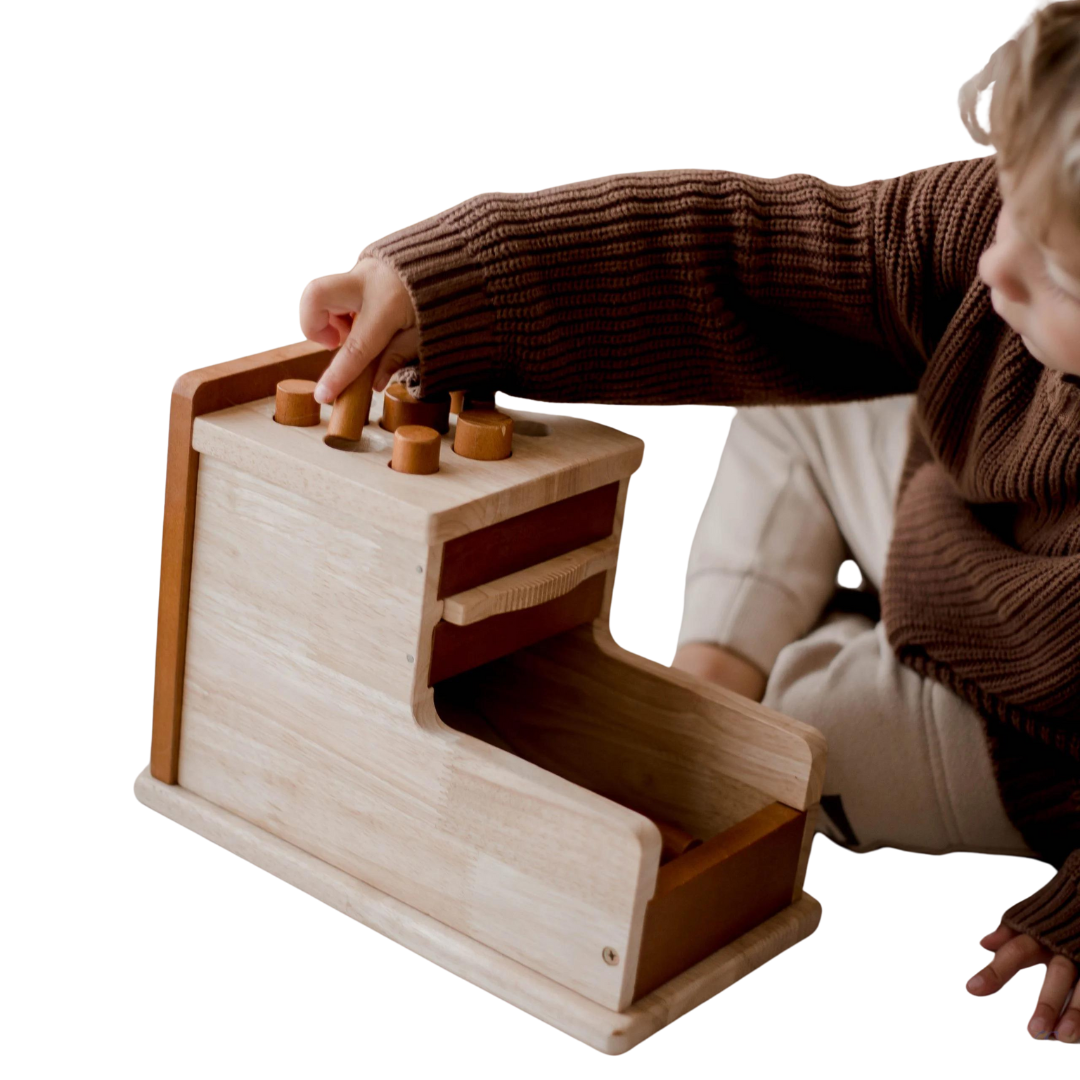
point(714, 663)
point(1012, 952)
point(368, 316)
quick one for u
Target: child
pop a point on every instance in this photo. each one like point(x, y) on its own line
point(956, 287)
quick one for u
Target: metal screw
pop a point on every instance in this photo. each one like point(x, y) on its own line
point(419, 569)
point(409, 657)
point(610, 955)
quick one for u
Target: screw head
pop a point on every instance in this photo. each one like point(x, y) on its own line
point(610, 955)
point(419, 569)
point(409, 657)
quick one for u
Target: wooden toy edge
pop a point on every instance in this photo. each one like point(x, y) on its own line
point(195, 393)
point(601, 1028)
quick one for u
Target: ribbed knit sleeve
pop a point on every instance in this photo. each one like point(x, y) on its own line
point(1052, 915)
point(690, 286)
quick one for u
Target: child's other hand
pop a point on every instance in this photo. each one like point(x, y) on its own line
point(368, 316)
point(1012, 952)
point(714, 663)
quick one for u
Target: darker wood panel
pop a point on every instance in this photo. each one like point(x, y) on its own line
point(527, 539)
point(455, 649)
point(716, 892)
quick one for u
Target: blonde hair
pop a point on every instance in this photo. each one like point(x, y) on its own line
point(1034, 110)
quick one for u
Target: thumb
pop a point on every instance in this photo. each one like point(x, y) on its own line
point(403, 347)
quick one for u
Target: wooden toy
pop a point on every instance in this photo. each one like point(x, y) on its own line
point(483, 434)
point(295, 403)
point(350, 413)
point(416, 449)
point(399, 693)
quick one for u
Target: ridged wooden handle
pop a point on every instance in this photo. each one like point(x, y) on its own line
point(531, 586)
point(350, 412)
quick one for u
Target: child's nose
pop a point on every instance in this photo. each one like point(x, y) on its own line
point(999, 272)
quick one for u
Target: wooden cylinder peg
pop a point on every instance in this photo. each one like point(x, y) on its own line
point(416, 449)
point(400, 407)
point(484, 435)
point(481, 398)
point(350, 412)
point(295, 404)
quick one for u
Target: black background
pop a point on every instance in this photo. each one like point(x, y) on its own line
point(260, 172)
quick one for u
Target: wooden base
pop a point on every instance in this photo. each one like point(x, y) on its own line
point(601, 1028)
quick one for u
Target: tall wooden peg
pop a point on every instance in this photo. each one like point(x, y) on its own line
point(350, 412)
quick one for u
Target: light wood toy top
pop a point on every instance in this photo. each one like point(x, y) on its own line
point(398, 690)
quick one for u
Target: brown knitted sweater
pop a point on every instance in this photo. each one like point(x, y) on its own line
point(717, 287)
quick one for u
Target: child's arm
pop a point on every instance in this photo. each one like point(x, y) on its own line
point(685, 286)
point(715, 663)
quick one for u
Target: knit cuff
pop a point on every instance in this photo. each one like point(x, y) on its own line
point(1052, 915)
point(456, 321)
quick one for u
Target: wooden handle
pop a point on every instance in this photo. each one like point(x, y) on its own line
point(531, 586)
point(350, 412)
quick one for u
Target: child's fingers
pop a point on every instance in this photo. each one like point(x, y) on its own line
point(994, 941)
point(373, 326)
point(1068, 1027)
point(1019, 952)
point(402, 348)
point(1056, 988)
point(325, 302)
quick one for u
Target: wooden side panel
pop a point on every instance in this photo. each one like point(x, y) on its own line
point(455, 649)
point(533, 537)
point(672, 747)
point(196, 393)
point(298, 719)
point(714, 893)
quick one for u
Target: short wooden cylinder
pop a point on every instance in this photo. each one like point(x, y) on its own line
point(484, 435)
point(416, 449)
point(460, 400)
point(400, 407)
point(295, 404)
point(350, 412)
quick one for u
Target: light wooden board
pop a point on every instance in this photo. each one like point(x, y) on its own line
point(670, 745)
point(298, 715)
point(604, 1029)
point(463, 495)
